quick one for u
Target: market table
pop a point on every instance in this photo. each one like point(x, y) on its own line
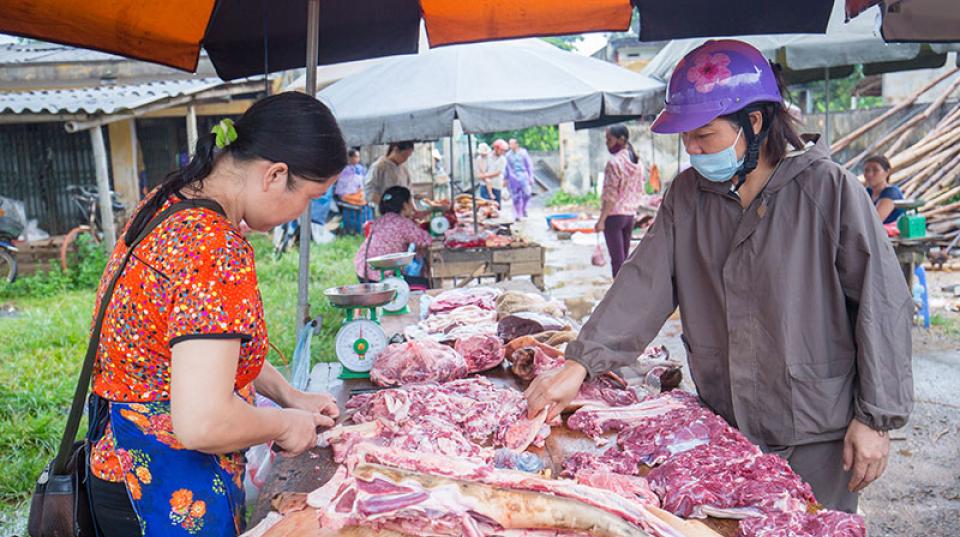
point(499, 263)
point(913, 252)
point(307, 472)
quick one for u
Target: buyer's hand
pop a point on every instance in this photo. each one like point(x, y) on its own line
point(300, 431)
point(600, 225)
point(554, 389)
point(865, 450)
point(316, 403)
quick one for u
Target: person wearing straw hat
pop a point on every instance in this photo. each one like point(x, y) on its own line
point(796, 317)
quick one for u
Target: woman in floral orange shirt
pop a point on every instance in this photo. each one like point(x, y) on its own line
point(184, 339)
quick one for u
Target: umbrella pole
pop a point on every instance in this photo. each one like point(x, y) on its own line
point(313, 51)
point(826, 109)
point(473, 181)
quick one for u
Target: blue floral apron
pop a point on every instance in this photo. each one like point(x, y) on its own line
point(175, 491)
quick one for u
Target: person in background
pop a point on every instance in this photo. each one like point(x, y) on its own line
point(796, 316)
point(622, 189)
point(350, 180)
point(519, 176)
point(184, 340)
point(480, 169)
point(392, 233)
point(876, 171)
point(490, 165)
point(388, 171)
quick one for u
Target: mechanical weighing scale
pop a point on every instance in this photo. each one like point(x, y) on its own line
point(389, 266)
point(360, 339)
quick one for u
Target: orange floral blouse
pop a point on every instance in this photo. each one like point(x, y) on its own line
point(192, 278)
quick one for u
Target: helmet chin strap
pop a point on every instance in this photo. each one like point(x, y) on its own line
point(754, 140)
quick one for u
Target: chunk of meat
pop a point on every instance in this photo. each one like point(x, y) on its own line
point(630, 487)
point(529, 362)
point(480, 352)
point(516, 301)
point(527, 323)
point(453, 324)
point(800, 524)
point(607, 389)
point(415, 362)
point(729, 480)
point(481, 297)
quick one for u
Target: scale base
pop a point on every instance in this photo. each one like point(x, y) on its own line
point(402, 311)
point(346, 374)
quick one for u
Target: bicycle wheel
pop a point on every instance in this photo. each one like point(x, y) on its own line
point(8, 266)
point(68, 250)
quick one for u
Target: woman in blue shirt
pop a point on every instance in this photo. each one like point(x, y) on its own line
point(876, 171)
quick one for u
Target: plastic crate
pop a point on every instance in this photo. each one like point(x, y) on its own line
point(354, 217)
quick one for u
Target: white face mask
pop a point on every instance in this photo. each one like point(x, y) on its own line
point(718, 167)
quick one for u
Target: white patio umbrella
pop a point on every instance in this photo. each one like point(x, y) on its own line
point(488, 87)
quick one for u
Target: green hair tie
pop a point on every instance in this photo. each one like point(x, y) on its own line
point(225, 133)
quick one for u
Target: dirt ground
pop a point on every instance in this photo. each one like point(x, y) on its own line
point(920, 492)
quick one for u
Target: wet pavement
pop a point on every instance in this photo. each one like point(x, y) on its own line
point(920, 492)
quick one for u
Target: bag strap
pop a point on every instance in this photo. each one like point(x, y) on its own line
point(83, 384)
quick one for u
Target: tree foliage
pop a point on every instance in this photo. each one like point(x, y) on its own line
point(543, 138)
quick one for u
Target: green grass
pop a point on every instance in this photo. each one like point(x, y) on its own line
point(949, 326)
point(561, 198)
point(43, 345)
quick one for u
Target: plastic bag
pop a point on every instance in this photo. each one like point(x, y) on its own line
point(13, 217)
point(598, 258)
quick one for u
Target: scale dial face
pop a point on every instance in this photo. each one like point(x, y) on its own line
point(358, 343)
point(439, 225)
point(403, 293)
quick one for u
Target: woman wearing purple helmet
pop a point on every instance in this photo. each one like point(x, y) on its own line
point(795, 313)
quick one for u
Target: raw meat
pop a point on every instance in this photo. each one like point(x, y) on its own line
point(729, 480)
point(556, 338)
point(593, 421)
point(415, 362)
point(444, 326)
point(481, 297)
point(607, 389)
point(516, 301)
point(628, 486)
point(480, 352)
point(526, 323)
point(529, 362)
point(431, 505)
point(611, 461)
point(467, 498)
point(459, 418)
point(798, 524)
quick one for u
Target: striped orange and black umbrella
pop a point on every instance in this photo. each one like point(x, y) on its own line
point(247, 37)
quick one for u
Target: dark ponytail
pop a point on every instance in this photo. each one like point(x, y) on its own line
point(394, 199)
point(288, 127)
point(621, 131)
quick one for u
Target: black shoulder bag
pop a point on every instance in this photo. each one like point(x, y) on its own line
point(60, 506)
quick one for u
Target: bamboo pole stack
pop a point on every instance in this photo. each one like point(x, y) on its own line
point(927, 169)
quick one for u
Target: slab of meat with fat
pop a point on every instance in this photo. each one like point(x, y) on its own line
point(800, 524)
point(481, 297)
point(416, 362)
point(629, 486)
point(531, 361)
point(437, 496)
point(593, 421)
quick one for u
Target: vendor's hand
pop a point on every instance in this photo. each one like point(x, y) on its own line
point(600, 225)
point(300, 431)
point(865, 450)
point(317, 403)
point(554, 389)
